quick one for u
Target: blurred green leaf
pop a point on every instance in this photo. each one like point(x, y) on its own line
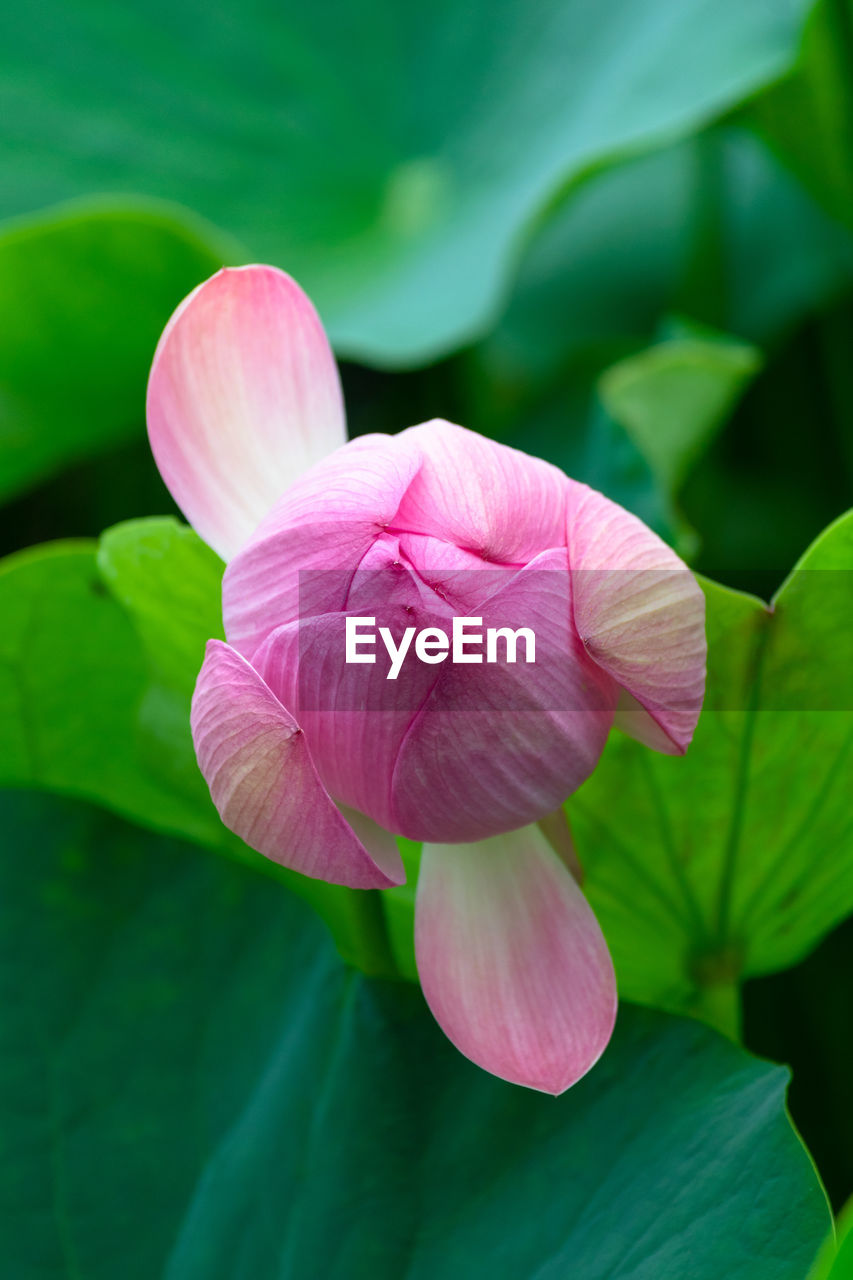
point(673, 397)
point(390, 157)
point(188, 1029)
point(84, 294)
point(808, 116)
point(719, 231)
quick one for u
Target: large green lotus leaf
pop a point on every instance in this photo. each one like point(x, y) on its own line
point(735, 859)
point(84, 295)
point(720, 231)
point(389, 156)
point(87, 710)
point(195, 1087)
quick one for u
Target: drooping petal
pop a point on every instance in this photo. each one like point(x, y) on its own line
point(640, 614)
point(243, 397)
point(483, 496)
point(512, 961)
point(257, 763)
point(300, 560)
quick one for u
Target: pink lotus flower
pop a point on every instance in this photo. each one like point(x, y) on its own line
point(316, 762)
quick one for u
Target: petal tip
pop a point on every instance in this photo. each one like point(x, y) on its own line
point(513, 963)
point(258, 767)
point(243, 396)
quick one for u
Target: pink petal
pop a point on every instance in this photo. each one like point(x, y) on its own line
point(354, 718)
point(256, 761)
point(641, 616)
point(243, 397)
point(512, 961)
point(301, 559)
point(498, 746)
point(486, 497)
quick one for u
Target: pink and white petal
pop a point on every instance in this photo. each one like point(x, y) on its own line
point(300, 560)
point(486, 497)
point(512, 961)
point(640, 614)
point(243, 397)
point(256, 762)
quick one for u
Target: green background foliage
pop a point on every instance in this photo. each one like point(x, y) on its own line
point(619, 235)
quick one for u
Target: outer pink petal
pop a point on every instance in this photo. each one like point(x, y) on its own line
point(243, 397)
point(484, 496)
point(301, 559)
point(512, 961)
point(641, 616)
point(255, 759)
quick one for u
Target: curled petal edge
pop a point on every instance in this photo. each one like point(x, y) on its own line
point(257, 763)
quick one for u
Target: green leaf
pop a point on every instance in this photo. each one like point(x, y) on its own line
point(84, 295)
point(262, 1112)
point(390, 158)
point(170, 583)
point(674, 397)
point(72, 677)
point(731, 861)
